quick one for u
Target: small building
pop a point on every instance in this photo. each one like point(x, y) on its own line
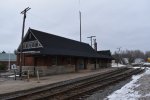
point(138, 60)
point(106, 58)
point(7, 59)
point(51, 54)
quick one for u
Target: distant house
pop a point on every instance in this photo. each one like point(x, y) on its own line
point(53, 54)
point(7, 59)
point(138, 60)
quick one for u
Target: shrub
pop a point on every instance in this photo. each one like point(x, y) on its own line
point(2, 67)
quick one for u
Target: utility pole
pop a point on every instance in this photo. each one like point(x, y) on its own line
point(119, 55)
point(95, 44)
point(80, 22)
point(21, 46)
point(91, 37)
point(80, 26)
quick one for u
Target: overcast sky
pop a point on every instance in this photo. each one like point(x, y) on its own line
point(115, 23)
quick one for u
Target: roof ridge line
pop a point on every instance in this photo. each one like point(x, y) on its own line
point(58, 36)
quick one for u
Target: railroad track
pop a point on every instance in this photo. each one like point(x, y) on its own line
point(78, 91)
point(73, 89)
point(71, 94)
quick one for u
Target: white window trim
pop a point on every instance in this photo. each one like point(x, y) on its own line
point(29, 44)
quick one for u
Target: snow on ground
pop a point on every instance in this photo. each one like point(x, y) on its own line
point(128, 91)
point(146, 64)
point(11, 76)
point(117, 65)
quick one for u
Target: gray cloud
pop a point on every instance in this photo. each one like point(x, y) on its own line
point(116, 23)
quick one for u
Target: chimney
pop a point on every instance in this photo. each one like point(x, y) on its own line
point(95, 45)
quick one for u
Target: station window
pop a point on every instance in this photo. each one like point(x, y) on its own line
point(54, 60)
point(68, 59)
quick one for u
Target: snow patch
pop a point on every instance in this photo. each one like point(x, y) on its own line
point(146, 64)
point(127, 92)
point(117, 65)
point(147, 70)
point(13, 76)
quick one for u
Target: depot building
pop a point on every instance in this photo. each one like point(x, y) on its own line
point(51, 54)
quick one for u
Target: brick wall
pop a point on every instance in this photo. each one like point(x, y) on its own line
point(50, 70)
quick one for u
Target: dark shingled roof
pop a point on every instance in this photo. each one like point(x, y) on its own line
point(105, 54)
point(56, 45)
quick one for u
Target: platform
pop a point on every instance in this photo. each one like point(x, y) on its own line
point(10, 85)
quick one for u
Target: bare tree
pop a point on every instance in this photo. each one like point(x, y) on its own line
point(130, 54)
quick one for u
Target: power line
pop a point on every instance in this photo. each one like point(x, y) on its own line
point(40, 19)
point(43, 22)
point(79, 4)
